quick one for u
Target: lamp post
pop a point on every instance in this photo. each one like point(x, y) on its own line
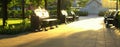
point(58, 8)
point(4, 11)
point(46, 4)
point(117, 3)
point(23, 11)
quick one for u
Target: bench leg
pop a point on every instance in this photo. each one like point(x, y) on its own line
point(51, 24)
point(56, 24)
point(44, 25)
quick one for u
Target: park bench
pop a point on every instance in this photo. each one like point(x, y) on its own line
point(66, 17)
point(75, 17)
point(107, 13)
point(110, 19)
point(45, 19)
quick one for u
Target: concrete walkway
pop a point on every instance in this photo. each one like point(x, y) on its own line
point(87, 32)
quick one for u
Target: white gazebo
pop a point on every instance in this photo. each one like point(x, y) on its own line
point(93, 7)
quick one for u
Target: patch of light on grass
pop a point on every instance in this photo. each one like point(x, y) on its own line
point(14, 21)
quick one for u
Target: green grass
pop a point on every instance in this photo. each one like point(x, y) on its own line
point(13, 21)
point(15, 26)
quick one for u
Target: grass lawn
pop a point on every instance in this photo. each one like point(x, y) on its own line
point(15, 26)
point(13, 21)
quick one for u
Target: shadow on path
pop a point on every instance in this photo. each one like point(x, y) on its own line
point(78, 39)
point(16, 35)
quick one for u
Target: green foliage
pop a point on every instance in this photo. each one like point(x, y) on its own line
point(14, 3)
point(53, 12)
point(118, 20)
point(28, 13)
point(14, 13)
point(52, 4)
point(82, 3)
point(101, 13)
point(35, 3)
point(81, 13)
point(14, 27)
point(66, 4)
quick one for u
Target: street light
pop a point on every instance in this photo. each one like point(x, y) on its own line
point(46, 4)
point(117, 3)
point(23, 11)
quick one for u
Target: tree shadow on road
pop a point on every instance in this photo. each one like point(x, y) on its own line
point(77, 39)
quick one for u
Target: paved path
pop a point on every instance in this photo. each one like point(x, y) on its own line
point(87, 32)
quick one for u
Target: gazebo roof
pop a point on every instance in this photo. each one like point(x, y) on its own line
point(95, 1)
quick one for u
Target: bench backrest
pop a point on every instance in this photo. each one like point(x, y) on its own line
point(72, 12)
point(64, 12)
point(115, 13)
point(42, 13)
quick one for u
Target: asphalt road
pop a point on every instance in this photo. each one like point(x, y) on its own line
point(89, 31)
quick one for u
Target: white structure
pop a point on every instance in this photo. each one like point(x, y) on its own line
point(93, 7)
point(74, 3)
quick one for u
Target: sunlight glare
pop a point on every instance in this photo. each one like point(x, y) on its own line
point(88, 24)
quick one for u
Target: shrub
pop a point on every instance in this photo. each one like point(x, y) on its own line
point(53, 12)
point(81, 13)
point(15, 29)
point(28, 13)
point(14, 13)
point(101, 13)
point(118, 21)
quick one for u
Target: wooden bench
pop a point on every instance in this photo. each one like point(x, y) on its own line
point(110, 19)
point(45, 19)
point(66, 17)
point(75, 17)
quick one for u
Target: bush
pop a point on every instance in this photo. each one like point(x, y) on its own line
point(81, 13)
point(28, 13)
point(15, 29)
point(101, 13)
point(118, 21)
point(14, 14)
point(53, 12)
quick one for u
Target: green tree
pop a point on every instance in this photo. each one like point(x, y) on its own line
point(66, 4)
point(4, 4)
point(82, 3)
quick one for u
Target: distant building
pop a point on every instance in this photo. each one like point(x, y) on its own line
point(93, 7)
point(75, 3)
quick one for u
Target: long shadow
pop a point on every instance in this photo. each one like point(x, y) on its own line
point(77, 39)
point(16, 35)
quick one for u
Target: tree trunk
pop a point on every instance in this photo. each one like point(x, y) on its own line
point(4, 12)
point(117, 4)
point(23, 11)
point(45, 4)
point(59, 10)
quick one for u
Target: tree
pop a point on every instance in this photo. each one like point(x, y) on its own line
point(82, 3)
point(4, 4)
point(65, 5)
